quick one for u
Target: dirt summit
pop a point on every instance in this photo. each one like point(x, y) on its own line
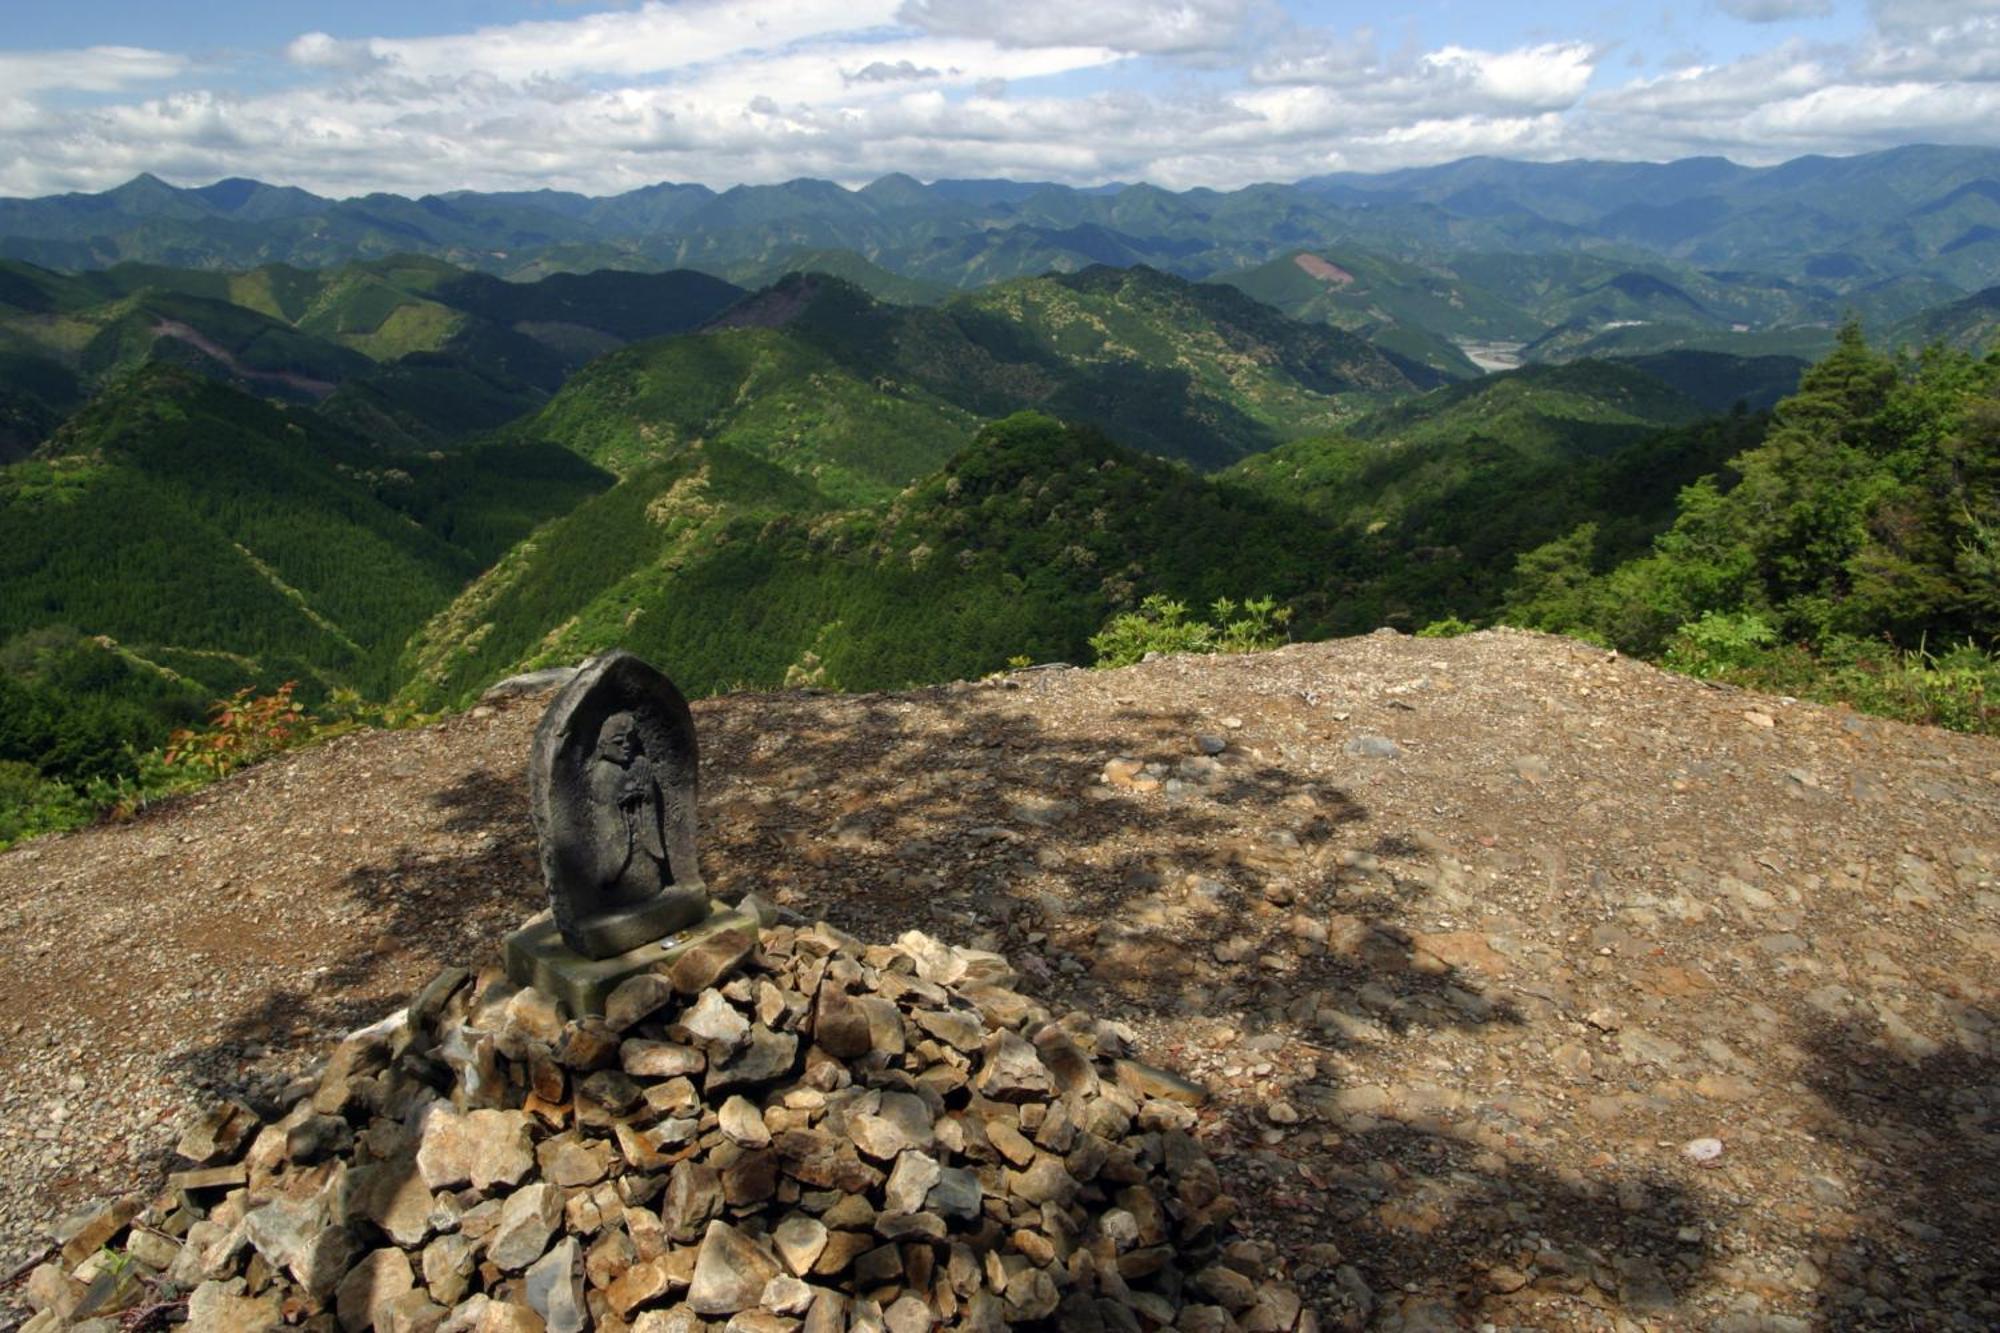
point(1534, 988)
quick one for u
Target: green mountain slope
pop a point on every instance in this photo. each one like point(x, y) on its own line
point(1829, 227)
point(769, 392)
point(1627, 341)
point(36, 393)
point(176, 514)
point(99, 339)
point(1433, 502)
point(1580, 408)
point(729, 571)
point(1970, 325)
point(1155, 359)
point(1719, 381)
point(175, 541)
point(737, 572)
point(862, 398)
point(1423, 313)
point(880, 283)
point(408, 350)
point(1591, 258)
point(1849, 555)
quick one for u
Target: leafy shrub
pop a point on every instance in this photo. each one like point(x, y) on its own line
point(1960, 690)
point(245, 728)
point(1161, 625)
point(1720, 642)
point(31, 804)
point(808, 673)
point(1826, 559)
point(1259, 626)
point(1448, 628)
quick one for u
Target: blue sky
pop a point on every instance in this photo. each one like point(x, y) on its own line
point(437, 94)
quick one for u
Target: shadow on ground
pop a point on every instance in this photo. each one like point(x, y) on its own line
point(1922, 1125)
point(1240, 890)
point(1245, 892)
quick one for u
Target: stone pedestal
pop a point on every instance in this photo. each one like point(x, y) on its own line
point(536, 956)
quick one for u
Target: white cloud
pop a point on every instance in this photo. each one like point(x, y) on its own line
point(95, 69)
point(653, 38)
point(1177, 27)
point(1548, 76)
point(1446, 82)
point(882, 71)
point(1775, 11)
point(318, 50)
point(1208, 92)
point(1717, 93)
point(1929, 16)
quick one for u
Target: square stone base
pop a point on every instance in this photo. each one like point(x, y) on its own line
point(536, 956)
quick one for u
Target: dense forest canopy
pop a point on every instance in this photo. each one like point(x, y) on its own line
point(1864, 525)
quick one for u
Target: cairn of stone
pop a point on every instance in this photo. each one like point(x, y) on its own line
point(780, 1130)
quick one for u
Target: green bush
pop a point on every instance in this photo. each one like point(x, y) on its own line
point(1161, 625)
point(1721, 642)
point(1960, 690)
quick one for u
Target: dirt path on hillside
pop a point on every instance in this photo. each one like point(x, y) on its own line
point(1470, 938)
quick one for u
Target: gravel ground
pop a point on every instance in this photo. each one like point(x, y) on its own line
point(1471, 938)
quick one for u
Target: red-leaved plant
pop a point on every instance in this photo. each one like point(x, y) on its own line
point(245, 728)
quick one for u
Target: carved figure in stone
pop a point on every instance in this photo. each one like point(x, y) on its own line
point(628, 809)
point(612, 784)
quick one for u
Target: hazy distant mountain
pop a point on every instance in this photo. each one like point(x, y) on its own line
point(1837, 225)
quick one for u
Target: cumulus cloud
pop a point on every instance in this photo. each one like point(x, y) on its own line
point(1549, 76)
point(1932, 16)
point(881, 71)
point(651, 39)
point(1177, 27)
point(723, 91)
point(1450, 79)
point(319, 50)
point(1775, 11)
point(95, 69)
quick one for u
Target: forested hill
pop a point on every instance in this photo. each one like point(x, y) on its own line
point(1590, 499)
point(408, 351)
point(1029, 538)
point(1865, 524)
point(237, 479)
point(177, 540)
point(726, 566)
point(862, 398)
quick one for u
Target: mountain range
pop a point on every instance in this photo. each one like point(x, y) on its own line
point(1898, 230)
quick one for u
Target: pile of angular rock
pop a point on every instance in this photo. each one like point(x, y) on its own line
point(779, 1131)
